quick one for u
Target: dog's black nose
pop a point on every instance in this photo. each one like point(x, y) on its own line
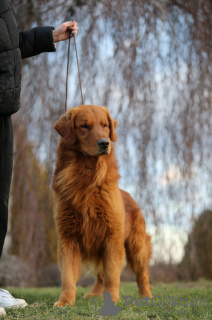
point(103, 143)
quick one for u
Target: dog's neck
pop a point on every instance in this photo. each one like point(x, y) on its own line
point(74, 168)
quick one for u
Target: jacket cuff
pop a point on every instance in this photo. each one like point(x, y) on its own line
point(35, 41)
point(44, 39)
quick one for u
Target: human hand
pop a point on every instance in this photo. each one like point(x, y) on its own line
point(63, 33)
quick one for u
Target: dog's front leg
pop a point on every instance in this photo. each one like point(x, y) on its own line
point(70, 263)
point(113, 261)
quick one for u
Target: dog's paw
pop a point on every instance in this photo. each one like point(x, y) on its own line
point(59, 304)
point(92, 295)
point(146, 293)
point(115, 299)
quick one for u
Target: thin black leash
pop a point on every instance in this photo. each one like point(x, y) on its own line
point(78, 70)
point(69, 42)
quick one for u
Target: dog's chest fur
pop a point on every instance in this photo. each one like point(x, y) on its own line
point(87, 213)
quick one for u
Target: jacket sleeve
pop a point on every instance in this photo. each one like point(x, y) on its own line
point(35, 41)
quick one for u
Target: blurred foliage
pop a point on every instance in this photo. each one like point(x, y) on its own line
point(197, 261)
point(150, 63)
point(32, 226)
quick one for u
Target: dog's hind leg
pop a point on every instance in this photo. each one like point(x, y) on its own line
point(70, 263)
point(138, 251)
point(97, 288)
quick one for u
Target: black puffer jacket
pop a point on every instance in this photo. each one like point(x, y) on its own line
point(13, 47)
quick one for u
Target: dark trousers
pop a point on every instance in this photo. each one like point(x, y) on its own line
point(6, 164)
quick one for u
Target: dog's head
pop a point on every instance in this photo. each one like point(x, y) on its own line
point(88, 129)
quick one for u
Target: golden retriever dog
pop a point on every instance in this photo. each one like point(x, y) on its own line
point(98, 224)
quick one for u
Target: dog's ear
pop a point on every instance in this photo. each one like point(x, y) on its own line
point(112, 125)
point(65, 127)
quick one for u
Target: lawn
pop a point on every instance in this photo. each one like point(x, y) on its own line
point(170, 303)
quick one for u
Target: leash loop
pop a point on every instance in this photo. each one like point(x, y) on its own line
point(69, 40)
point(80, 83)
point(78, 70)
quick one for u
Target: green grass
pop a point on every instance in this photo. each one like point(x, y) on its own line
point(41, 301)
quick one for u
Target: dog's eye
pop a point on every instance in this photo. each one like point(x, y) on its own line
point(105, 126)
point(85, 126)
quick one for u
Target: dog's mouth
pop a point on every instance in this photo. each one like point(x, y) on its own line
point(100, 152)
point(103, 151)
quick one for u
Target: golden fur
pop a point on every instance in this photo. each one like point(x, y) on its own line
point(97, 223)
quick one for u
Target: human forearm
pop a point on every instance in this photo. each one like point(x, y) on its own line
point(35, 41)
